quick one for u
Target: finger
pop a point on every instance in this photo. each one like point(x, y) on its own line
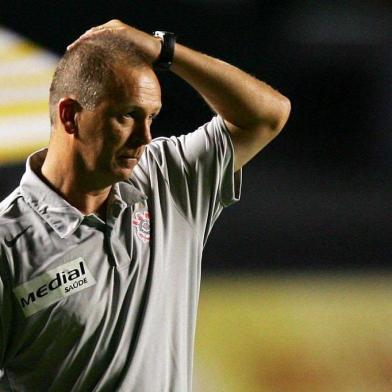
point(87, 35)
point(109, 26)
point(96, 28)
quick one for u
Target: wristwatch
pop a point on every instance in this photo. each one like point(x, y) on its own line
point(165, 58)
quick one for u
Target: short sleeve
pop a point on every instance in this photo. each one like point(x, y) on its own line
point(5, 310)
point(198, 169)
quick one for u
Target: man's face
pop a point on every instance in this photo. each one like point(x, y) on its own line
point(112, 137)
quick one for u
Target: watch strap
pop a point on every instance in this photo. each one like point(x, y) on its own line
point(165, 58)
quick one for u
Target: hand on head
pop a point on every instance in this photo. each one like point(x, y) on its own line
point(146, 43)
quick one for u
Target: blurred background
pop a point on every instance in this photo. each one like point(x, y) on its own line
point(296, 288)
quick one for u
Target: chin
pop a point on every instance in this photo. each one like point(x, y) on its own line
point(121, 170)
point(122, 175)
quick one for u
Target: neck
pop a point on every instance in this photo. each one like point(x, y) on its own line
point(67, 180)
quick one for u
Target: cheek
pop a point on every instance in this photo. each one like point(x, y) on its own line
point(111, 141)
point(106, 136)
point(100, 138)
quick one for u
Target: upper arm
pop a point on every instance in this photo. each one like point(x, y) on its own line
point(248, 142)
point(198, 170)
point(2, 309)
point(5, 308)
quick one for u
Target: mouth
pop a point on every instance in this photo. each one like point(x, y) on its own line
point(131, 154)
point(128, 157)
point(127, 162)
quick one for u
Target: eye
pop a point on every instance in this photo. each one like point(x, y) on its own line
point(130, 115)
point(138, 116)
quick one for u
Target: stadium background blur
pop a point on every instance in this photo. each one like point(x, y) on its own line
point(296, 288)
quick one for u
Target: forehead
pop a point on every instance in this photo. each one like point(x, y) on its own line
point(136, 86)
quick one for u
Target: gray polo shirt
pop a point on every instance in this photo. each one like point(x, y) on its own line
point(91, 305)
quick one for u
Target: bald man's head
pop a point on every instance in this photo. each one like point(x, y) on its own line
point(86, 72)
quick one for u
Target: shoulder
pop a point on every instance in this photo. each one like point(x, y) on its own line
point(9, 201)
point(184, 153)
point(212, 132)
point(12, 210)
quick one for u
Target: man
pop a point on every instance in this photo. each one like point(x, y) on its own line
point(100, 246)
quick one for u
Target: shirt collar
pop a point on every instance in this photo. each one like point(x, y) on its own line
point(57, 212)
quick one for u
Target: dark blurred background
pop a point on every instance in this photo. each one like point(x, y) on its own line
point(317, 198)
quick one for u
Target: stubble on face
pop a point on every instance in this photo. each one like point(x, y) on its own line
point(113, 136)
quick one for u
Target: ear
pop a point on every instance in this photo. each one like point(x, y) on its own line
point(68, 109)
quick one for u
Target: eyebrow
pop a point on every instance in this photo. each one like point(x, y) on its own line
point(156, 109)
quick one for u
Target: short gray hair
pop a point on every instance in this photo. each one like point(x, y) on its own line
point(87, 71)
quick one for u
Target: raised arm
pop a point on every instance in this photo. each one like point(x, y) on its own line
point(253, 111)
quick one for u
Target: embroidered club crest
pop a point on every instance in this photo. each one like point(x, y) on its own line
point(141, 222)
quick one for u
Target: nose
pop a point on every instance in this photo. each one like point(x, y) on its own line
point(141, 134)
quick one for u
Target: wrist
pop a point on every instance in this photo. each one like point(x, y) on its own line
point(156, 47)
point(167, 41)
